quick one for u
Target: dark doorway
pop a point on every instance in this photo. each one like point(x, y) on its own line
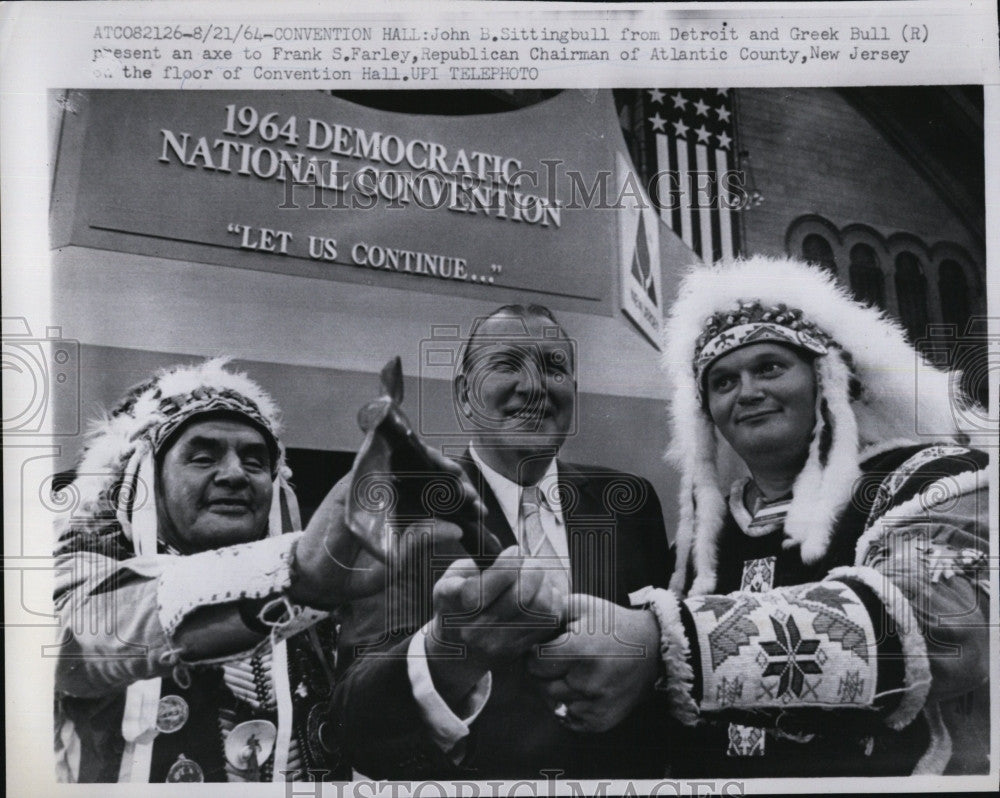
point(314, 472)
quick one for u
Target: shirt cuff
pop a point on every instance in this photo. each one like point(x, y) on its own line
point(447, 729)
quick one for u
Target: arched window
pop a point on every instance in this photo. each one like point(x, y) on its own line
point(954, 292)
point(970, 355)
point(911, 292)
point(866, 277)
point(817, 251)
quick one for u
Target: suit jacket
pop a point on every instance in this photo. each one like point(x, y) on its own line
point(617, 544)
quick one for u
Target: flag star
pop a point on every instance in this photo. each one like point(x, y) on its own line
point(703, 134)
point(680, 128)
point(701, 108)
point(723, 91)
point(724, 141)
point(723, 113)
point(655, 95)
point(658, 122)
point(680, 101)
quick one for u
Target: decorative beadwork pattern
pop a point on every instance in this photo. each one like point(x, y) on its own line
point(250, 570)
point(749, 322)
point(788, 647)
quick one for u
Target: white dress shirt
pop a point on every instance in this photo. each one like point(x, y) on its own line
point(550, 509)
point(447, 728)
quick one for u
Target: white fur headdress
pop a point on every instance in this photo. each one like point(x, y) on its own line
point(873, 392)
point(115, 477)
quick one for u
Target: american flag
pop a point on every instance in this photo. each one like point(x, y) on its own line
point(693, 132)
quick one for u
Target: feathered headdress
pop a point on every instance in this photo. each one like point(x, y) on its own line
point(114, 484)
point(115, 496)
point(867, 378)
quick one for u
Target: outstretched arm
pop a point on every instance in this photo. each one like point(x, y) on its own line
point(126, 620)
point(904, 628)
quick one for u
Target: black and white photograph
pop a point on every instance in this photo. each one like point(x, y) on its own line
point(597, 439)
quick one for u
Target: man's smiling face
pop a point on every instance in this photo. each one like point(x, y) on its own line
point(520, 389)
point(214, 486)
point(762, 398)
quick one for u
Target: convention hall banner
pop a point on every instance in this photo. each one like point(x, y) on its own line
point(308, 184)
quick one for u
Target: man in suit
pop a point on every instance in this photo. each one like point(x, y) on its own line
point(441, 684)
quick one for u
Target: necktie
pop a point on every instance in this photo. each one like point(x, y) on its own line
point(535, 544)
point(534, 541)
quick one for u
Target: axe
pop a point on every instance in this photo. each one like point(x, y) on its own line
point(396, 476)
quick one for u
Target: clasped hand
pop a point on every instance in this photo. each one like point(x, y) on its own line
point(602, 667)
point(484, 619)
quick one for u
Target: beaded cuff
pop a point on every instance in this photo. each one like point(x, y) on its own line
point(244, 573)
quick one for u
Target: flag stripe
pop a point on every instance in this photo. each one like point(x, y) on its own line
point(704, 215)
point(684, 197)
point(716, 210)
point(664, 189)
point(675, 208)
point(691, 180)
point(725, 213)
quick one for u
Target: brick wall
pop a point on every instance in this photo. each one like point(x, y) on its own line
point(813, 153)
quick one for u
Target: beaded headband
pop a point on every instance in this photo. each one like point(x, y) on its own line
point(154, 412)
point(751, 322)
point(176, 410)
